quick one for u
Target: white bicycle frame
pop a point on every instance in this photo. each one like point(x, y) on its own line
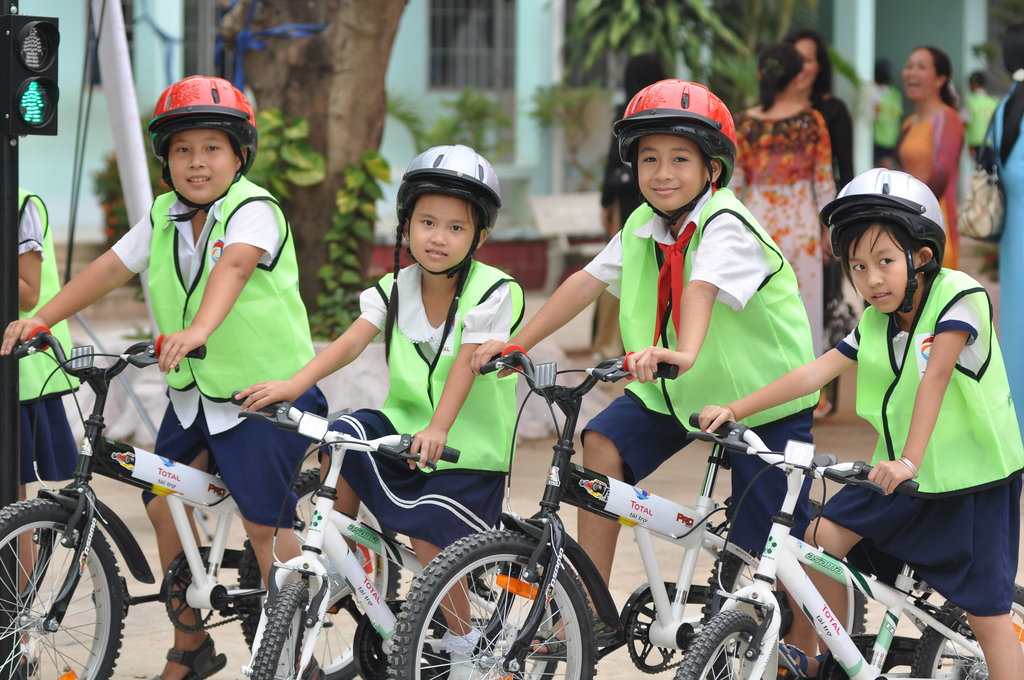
point(324, 543)
point(783, 556)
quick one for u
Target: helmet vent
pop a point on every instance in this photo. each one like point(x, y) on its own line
point(885, 188)
point(686, 100)
point(438, 160)
point(215, 95)
point(480, 172)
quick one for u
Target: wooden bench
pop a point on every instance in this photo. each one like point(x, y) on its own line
point(560, 218)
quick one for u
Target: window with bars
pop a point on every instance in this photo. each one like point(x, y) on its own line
point(472, 44)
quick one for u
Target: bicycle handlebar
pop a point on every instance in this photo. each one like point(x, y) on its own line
point(541, 376)
point(284, 415)
point(740, 438)
point(140, 354)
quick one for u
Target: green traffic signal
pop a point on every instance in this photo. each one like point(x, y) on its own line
point(37, 102)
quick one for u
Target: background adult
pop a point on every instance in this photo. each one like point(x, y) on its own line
point(784, 170)
point(887, 107)
point(1009, 131)
point(816, 88)
point(932, 136)
point(620, 196)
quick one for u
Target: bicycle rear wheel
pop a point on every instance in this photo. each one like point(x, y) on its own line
point(938, 657)
point(487, 569)
point(33, 566)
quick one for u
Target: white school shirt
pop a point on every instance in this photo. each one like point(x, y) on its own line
point(490, 320)
point(254, 223)
point(728, 256)
point(30, 230)
point(961, 316)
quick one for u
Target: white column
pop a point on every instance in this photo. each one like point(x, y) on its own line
point(854, 31)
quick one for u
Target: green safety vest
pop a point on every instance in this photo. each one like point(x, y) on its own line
point(981, 107)
point(976, 442)
point(886, 127)
point(483, 431)
point(266, 334)
point(743, 351)
point(35, 371)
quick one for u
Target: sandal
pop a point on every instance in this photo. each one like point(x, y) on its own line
point(201, 661)
point(604, 634)
point(793, 663)
point(553, 647)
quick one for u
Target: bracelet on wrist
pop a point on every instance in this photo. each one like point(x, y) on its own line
point(910, 466)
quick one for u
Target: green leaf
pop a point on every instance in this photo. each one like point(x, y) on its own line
point(268, 120)
point(305, 178)
point(302, 156)
point(298, 129)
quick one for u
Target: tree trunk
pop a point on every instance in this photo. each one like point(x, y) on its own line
point(336, 80)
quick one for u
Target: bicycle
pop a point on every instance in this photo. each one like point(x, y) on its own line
point(61, 593)
point(512, 566)
point(741, 640)
point(328, 573)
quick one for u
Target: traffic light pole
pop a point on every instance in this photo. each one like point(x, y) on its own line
point(9, 400)
point(10, 417)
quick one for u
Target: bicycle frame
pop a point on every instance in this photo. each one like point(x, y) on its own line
point(782, 558)
point(325, 535)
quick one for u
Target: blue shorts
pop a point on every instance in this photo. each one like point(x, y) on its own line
point(46, 441)
point(965, 546)
point(646, 439)
point(256, 459)
point(439, 508)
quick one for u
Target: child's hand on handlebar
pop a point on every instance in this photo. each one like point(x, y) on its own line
point(889, 474)
point(18, 331)
point(261, 394)
point(428, 444)
point(484, 353)
point(644, 364)
point(712, 417)
point(175, 346)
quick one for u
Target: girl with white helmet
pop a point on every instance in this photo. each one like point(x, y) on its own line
point(931, 381)
point(432, 315)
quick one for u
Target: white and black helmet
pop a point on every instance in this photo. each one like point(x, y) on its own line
point(455, 170)
point(888, 196)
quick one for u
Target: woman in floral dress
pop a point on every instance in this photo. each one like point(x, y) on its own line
point(784, 171)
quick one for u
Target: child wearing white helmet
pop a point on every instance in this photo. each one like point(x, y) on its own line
point(931, 381)
point(431, 315)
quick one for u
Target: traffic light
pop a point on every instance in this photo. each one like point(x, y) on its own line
point(28, 75)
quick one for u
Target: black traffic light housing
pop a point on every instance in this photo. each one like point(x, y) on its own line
point(28, 75)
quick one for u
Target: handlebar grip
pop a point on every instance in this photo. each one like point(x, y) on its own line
point(511, 356)
point(197, 353)
point(491, 366)
point(451, 455)
point(667, 371)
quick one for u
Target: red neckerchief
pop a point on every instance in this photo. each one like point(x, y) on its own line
point(670, 278)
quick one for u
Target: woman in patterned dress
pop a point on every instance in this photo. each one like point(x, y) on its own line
point(784, 171)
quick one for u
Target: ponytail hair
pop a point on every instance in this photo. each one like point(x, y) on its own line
point(943, 67)
point(777, 65)
point(1013, 111)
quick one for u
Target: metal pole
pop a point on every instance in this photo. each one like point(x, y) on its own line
point(10, 416)
point(9, 400)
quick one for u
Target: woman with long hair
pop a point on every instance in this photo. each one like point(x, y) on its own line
point(784, 170)
point(932, 136)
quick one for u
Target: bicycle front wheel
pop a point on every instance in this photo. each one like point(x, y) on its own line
point(282, 639)
point(477, 584)
point(33, 567)
point(719, 651)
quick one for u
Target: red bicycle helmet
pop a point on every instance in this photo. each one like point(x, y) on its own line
point(205, 102)
point(683, 109)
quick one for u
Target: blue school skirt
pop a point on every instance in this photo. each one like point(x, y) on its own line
point(646, 439)
point(964, 546)
point(439, 508)
point(46, 441)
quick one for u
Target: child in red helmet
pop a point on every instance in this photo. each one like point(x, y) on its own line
point(222, 273)
point(702, 287)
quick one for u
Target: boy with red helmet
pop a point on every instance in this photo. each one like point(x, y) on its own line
point(221, 263)
point(702, 287)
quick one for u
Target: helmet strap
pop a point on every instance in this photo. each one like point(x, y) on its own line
point(672, 218)
point(454, 270)
point(196, 207)
point(912, 282)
